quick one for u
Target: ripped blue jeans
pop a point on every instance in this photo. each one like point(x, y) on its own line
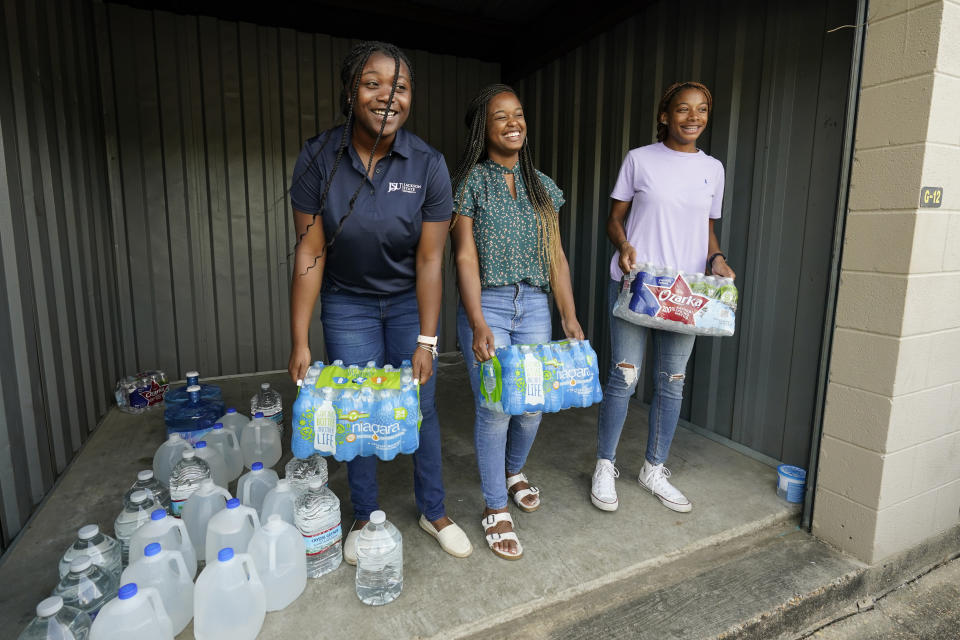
point(670, 354)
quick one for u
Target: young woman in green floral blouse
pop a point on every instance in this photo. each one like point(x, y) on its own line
point(509, 257)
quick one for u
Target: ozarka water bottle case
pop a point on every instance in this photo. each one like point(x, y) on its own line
point(357, 410)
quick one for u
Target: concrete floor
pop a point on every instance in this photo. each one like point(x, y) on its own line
point(571, 548)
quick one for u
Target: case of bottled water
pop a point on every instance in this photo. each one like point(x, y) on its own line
point(141, 392)
point(664, 298)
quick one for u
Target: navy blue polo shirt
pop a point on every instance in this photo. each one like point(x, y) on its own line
point(375, 251)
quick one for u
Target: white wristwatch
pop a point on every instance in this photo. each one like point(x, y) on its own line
point(429, 340)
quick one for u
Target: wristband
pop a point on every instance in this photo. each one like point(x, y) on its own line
point(427, 340)
point(430, 348)
point(714, 257)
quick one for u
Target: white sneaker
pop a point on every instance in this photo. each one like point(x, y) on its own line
point(603, 493)
point(653, 477)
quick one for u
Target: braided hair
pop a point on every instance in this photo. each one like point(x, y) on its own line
point(668, 97)
point(549, 249)
point(350, 71)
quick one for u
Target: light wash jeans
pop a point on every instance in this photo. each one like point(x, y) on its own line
point(516, 314)
point(670, 354)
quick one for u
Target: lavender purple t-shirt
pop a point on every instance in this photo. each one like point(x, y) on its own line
point(673, 194)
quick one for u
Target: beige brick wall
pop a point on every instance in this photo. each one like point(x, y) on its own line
point(889, 473)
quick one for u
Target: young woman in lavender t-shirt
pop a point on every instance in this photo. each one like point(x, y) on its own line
point(664, 203)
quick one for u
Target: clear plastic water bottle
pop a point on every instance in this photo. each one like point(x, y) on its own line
point(167, 456)
point(233, 527)
point(194, 418)
point(279, 501)
point(325, 422)
point(208, 392)
point(149, 483)
point(254, 485)
point(278, 553)
point(300, 471)
point(229, 601)
point(270, 404)
point(313, 372)
point(205, 502)
point(56, 621)
point(227, 444)
point(165, 570)
point(234, 421)
point(379, 561)
point(186, 479)
point(168, 531)
point(103, 550)
point(135, 514)
point(260, 442)
point(317, 517)
point(86, 586)
point(218, 466)
point(134, 613)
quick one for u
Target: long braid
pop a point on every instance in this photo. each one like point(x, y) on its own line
point(549, 249)
point(350, 72)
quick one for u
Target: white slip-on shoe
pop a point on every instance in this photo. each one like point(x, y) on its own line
point(452, 539)
point(603, 493)
point(653, 478)
point(350, 547)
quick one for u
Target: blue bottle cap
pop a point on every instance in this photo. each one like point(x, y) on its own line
point(219, 425)
point(226, 553)
point(233, 503)
point(256, 466)
point(258, 414)
point(158, 514)
point(127, 591)
point(200, 445)
point(231, 410)
point(152, 549)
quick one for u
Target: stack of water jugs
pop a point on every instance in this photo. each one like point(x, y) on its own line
point(255, 551)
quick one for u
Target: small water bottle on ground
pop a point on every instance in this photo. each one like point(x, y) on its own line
point(254, 485)
point(317, 516)
point(147, 481)
point(229, 601)
point(270, 404)
point(167, 456)
point(135, 514)
point(300, 471)
point(134, 613)
point(186, 479)
point(103, 550)
point(165, 570)
point(56, 621)
point(86, 586)
point(379, 561)
point(278, 553)
point(280, 501)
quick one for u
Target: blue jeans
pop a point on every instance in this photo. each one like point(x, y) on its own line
point(357, 329)
point(670, 354)
point(516, 314)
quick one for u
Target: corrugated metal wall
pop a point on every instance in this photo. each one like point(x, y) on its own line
point(204, 121)
point(779, 82)
point(59, 353)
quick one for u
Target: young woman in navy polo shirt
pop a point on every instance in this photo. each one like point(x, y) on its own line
point(371, 204)
point(509, 257)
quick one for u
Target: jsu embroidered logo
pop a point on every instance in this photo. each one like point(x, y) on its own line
point(403, 187)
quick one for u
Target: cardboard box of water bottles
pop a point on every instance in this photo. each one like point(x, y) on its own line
point(663, 298)
point(357, 410)
point(549, 377)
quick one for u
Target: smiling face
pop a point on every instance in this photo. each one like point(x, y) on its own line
point(506, 128)
point(373, 94)
point(686, 118)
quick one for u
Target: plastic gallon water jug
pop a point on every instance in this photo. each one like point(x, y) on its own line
point(233, 527)
point(56, 621)
point(134, 614)
point(205, 502)
point(227, 444)
point(260, 442)
point(167, 456)
point(86, 586)
point(165, 571)
point(277, 551)
point(234, 421)
point(280, 501)
point(170, 532)
point(103, 550)
point(229, 602)
point(135, 514)
point(216, 462)
point(254, 485)
point(379, 561)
